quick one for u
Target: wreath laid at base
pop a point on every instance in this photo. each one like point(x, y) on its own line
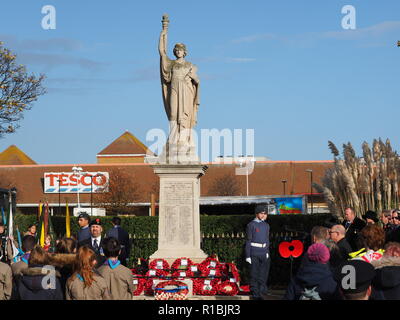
point(159, 264)
point(210, 277)
point(228, 288)
point(171, 290)
point(205, 287)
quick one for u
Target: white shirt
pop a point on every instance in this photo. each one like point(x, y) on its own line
point(98, 241)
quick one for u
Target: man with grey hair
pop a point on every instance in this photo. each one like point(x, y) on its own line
point(338, 234)
point(319, 234)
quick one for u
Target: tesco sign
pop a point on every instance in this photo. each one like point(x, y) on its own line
point(69, 182)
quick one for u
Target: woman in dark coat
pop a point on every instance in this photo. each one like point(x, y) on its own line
point(64, 259)
point(314, 280)
point(386, 284)
point(39, 281)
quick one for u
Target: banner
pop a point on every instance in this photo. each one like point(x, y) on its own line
point(68, 182)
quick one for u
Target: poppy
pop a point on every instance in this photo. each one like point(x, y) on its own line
point(294, 248)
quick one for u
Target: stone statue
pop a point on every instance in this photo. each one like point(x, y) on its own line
point(180, 91)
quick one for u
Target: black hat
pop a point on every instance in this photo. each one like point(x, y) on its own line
point(84, 215)
point(370, 215)
point(364, 272)
point(261, 208)
point(96, 221)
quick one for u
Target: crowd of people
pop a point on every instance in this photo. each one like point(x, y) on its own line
point(86, 267)
point(358, 259)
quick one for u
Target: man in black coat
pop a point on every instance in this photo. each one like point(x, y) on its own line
point(353, 226)
point(123, 237)
point(337, 233)
point(95, 241)
point(394, 233)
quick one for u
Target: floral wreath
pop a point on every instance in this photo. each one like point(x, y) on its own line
point(140, 282)
point(142, 268)
point(159, 264)
point(210, 272)
point(149, 287)
point(180, 292)
point(159, 273)
point(234, 270)
point(205, 287)
point(177, 265)
point(182, 274)
point(228, 288)
point(210, 262)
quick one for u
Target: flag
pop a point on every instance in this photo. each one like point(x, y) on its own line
point(46, 227)
point(40, 209)
point(14, 250)
point(19, 238)
point(67, 221)
point(42, 224)
point(3, 216)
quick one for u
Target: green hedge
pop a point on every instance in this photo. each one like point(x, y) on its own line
point(142, 226)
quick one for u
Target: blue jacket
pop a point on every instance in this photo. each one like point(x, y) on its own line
point(310, 275)
point(123, 237)
point(84, 234)
point(257, 231)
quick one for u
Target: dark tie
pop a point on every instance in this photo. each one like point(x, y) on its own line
point(95, 245)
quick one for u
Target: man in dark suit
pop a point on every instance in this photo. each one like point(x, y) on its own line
point(353, 226)
point(95, 241)
point(123, 237)
point(337, 233)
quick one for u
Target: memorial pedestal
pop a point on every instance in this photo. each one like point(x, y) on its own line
point(179, 212)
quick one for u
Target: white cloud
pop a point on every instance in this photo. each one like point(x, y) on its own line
point(241, 59)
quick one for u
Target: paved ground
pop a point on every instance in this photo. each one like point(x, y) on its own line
point(272, 295)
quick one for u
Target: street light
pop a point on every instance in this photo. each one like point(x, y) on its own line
point(284, 186)
point(98, 174)
point(246, 160)
point(59, 196)
point(77, 171)
point(311, 182)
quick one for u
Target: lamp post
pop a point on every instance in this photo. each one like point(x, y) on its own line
point(245, 160)
point(311, 182)
point(284, 186)
point(77, 171)
point(59, 197)
point(98, 174)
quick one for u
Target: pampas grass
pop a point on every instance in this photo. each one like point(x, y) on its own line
point(365, 183)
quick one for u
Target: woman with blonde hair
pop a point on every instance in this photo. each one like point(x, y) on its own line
point(85, 283)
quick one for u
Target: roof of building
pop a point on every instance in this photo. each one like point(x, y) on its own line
point(126, 144)
point(265, 179)
point(14, 156)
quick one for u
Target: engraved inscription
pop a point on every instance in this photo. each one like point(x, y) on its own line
point(178, 197)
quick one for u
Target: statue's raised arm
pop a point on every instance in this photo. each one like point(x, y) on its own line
point(162, 46)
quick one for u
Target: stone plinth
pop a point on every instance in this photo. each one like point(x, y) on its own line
point(179, 212)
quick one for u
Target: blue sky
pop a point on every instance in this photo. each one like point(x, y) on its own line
point(286, 69)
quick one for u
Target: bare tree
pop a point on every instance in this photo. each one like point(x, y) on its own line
point(18, 91)
point(123, 190)
point(225, 185)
